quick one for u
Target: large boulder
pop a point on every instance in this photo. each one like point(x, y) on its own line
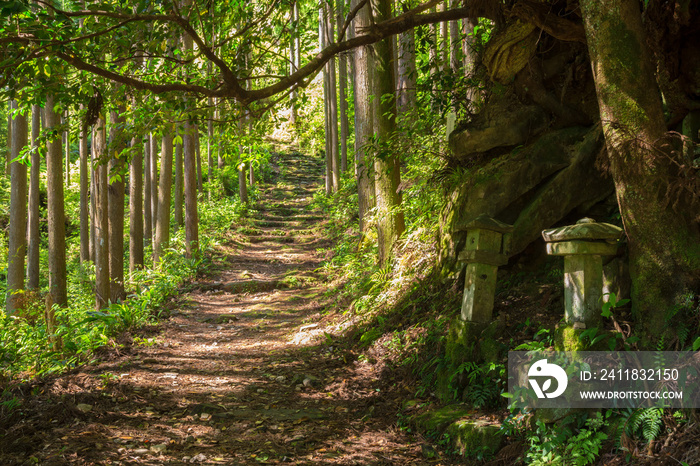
point(531, 188)
point(500, 125)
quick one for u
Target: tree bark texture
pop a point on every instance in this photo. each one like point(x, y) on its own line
point(55, 208)
point(162, 230)
point(390, 219)
point(342, 95)
point(66, 146)
point(332, 98)
point(17, 234)
point(117, 174)
point(147, 208)
point(84, 196)
point(33, 234)
point(155, 196)
point(364, 117)
point(178, 194)
point(190, 182)
point(663, 242)
point(407, 73)
point(101, 217)
point(136, 206)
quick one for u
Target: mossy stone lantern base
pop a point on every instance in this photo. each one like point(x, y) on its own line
point(583, 246)
point(488, 242)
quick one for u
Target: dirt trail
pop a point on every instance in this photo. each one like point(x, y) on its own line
point(236, 374)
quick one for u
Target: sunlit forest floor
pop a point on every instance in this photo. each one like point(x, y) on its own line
point(241, 372)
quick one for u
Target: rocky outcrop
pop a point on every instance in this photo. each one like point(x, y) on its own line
point(531, 188)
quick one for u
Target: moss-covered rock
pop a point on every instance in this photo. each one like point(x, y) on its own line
point(471, 437)
point(468, 436)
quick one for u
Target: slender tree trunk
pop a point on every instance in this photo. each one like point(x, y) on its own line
point(342, 95)
point(332, 99)
point(293, 62)
point(470, 59)
point(8, 154)
point(117, 172)
point(162, 230)
point(147, 211)
point(210, 149)
point(67, 148)
point(55, 208)
point(663, 242)
point(101, 218)
point(364, 116)
point(191, 214)
point(444, 40)
point(386, 162)
point(433, 45)
point(406, 99)
point(198, 152)
point(93, 198)
point(136, 206)
point(155, 196)
point(322, 42)
point(84, 198)
point(17, 235)
point(455, 49)
point(191, 165)
point(219, 138)
point(179, 188)
point(33, 234)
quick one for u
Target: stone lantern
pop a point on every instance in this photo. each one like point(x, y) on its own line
point(488, 243)
point(583, 246)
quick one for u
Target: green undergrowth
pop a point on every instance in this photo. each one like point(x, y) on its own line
point(396, 314)
point(25, 350)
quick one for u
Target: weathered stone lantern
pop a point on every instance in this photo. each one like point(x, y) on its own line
point(583, 246)
point(488, 243)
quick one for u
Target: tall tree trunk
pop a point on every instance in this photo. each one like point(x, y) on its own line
point(364, 116)
point(455, 49)
point(342, 94)
point(433, 45)
point(93, 197)
point(664, 244)
point(136, 206)
point(101, 215)
point(67, 148)
point(444, 40)
point(406, 98)
point(8, 153)
point(293, 62)
point(84, 197)
point(191, 164)
point(219, 138)
point(322, 32)
point(198, 152)
point(390, 220)
point(117, 172)
point(332, 98)
point(17, 235)
point(147, 208)
point(155, 196)
point(162, 230)
point(210, 148)
point(33, 233)
point(191, 214)
point(470, 55)
point(179, 188)
point(56, 210)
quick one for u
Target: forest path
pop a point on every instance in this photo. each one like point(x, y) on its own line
point(239, 373)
